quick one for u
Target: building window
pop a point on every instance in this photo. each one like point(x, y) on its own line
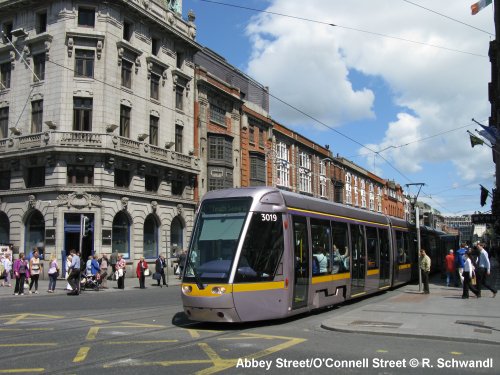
point(257, 170)
point(251, 134)
point(151, 183)
point(36, 116)
point(5, 76)
point(120, 234)
point(7, 28)
point(80, 174)
point(41, 22)
point(86, 17)
point(178, 187)
point(261, 137)
point(305, 172)
point(282, 165)
point(348, 187)
point(122, 178)
point(150, 240)
point(127, 30)
point(127, 73)
point(179, 96)
point(155, 86)
point(219, 148)
point(4, 122)
point(178, 138)
point(4, 180)
point(217, 114)
point(84, 63)
point(153, 130)
point(39, 67)
point(82, 114)
point(179, 59)
point(155, 46)
point(322, 179)
point(125, 121)
point(35, 177)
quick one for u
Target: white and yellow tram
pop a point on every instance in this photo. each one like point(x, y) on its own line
point(262, 253)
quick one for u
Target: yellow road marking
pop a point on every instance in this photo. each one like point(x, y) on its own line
point(381, 351)
point(82, 354)
point(456, 353)
point(26, 329)
point(95, 321)
point(28, 344)
point(195, 333)
point(21, 370)
point(16, 318)
point(218, 363)
point(91, 335)
point(140, 342)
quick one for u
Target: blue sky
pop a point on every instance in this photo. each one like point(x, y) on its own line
point(382, 92)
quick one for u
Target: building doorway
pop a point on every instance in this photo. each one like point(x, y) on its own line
point(72, 235)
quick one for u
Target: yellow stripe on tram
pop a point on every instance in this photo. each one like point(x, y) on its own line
point(328, 278)
point(404, 266)
point(253, 287)
point(373, 272)
point(230, 288)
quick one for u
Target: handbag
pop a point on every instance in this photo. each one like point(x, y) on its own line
point(146, 272)
point(156, 276)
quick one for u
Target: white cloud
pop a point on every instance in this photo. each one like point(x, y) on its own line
point(307, 65)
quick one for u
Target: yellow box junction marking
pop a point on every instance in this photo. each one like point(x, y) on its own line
point(82, 354)
point(21, 370)
point(137, 342)
point(16, 318)
point(195, 333)
point(218, 363)
point(28, 344)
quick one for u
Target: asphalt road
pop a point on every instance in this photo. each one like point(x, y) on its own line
point(144, 331)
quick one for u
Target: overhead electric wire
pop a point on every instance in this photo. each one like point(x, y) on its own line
point(344, 27)
point(450, 18)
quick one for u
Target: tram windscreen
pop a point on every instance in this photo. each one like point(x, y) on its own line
point(215, 239)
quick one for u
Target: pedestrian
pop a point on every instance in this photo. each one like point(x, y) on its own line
point(53, 273)
point(160, 266)
point(468, 274)
point(120, 266)
point(103, 267)
point(74, 275)
point(459, 261)
point(21, 272)
point(113, 259)
point(483, 270)
point(34, 271)
point(142, 266)
point(425, 268)
point(7, 270)
point(449, 261)
point(182, 262)
point(69, 258)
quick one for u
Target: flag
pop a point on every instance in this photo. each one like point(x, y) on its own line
point(484, 195)
point(490, 133)
point(475, 8)
point(474, 141)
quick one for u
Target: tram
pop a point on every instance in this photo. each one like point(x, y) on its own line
point(262, 253)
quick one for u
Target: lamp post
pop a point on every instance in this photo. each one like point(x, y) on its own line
point(413, 202)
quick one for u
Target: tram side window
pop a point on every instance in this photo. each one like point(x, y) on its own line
point(373, 247)
point(262, 249)
point(402, 246)
point(340, 247)
point(321, 239)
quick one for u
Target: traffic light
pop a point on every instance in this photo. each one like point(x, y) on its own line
point(484, 195)
point(86, 225)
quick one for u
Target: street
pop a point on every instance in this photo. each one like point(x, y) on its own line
point(140, 331)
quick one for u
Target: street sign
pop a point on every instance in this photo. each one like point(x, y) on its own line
point(484, 218)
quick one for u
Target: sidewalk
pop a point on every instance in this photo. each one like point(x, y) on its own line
point(440, 315)
point(131, 283)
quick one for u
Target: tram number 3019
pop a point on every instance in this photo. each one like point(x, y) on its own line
point(269, 217)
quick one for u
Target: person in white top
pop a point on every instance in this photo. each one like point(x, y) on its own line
point(7, 265)
point(483, 270)
point(34, 271)
point(467, 274)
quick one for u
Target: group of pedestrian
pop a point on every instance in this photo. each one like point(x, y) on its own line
point(471, 267)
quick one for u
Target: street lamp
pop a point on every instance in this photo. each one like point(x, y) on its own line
point(413, 202)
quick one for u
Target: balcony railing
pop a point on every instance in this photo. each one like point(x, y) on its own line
point(80, 141)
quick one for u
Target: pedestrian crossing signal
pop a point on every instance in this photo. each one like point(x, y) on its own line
point(86, 226)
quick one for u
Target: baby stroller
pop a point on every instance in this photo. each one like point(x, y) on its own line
point(91, 282)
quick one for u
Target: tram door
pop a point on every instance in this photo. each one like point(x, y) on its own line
point(385, 258)
point(301, 262)
point(358, 249)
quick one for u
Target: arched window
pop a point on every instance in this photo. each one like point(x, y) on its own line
point(150, 242)
point(34, 232)
point(120, 237)
point(4, 228)
point(177, 234)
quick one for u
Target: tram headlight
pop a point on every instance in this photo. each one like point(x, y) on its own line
point(218, 290)
point(186, 289)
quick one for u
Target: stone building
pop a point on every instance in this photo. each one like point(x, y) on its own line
point(96, 120)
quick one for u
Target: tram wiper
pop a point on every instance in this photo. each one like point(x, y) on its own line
point(196, 275)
